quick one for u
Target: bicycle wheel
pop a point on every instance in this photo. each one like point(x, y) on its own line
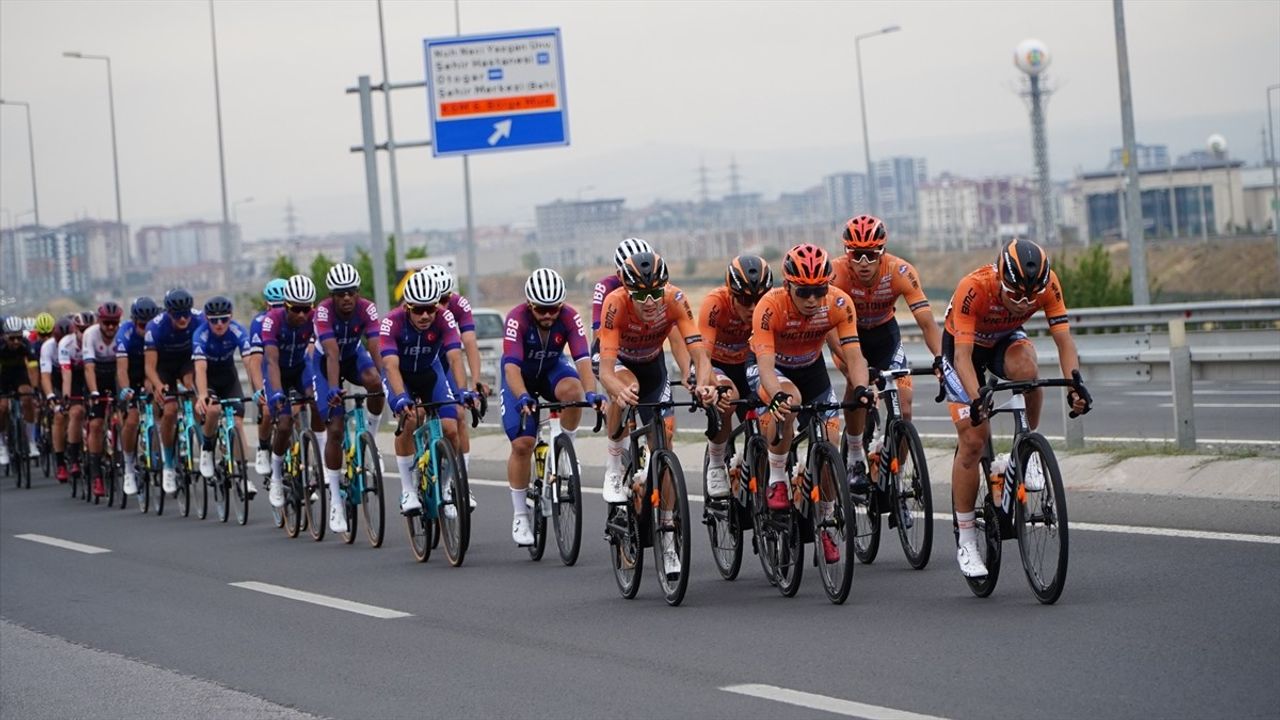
point(189, 471)
point(420, 530)
point(221, 481)
point(143, 471)
point(199, 489)
point(157, 485)
point(758, 485)
point(832, 518)
point(626, 548)
point(866, 511)
point(1042, 521)
point(22, 460)
point(293, 488)
point(372, 502)
point(566, 500)
point(671, 532)
point(912, 496)
point(541, 498)
point(236, 489)
point(455, 525)
point(988, 527)
point(723, 530)
point(315, 497)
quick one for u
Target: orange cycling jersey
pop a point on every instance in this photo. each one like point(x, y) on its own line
point(977, 316)
point(624, 334)
point(795, 340)
point(724, 332)
point(874, 303)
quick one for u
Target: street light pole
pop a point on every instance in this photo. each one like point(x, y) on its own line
point(391, 148)
point(872, 191)
point(1133, 191)
point(225, 235)
point(115, 155)
point(31, 147)
point(235, 219)
point(473, 288)
point(1275, 182)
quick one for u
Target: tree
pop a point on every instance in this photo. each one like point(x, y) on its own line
point(531, 261)
point(771, 254)
point(283, 267)
point(319, 269)
point(1091, 283)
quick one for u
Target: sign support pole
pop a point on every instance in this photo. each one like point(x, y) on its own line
point(378, 244)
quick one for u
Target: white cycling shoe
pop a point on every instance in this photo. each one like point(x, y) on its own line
point(670, 558)
point(262, 462)
point(521, 533)
point(1033, 476)
point(249, 488)
point(206, 464)
point(338, 517)
point(410, 505)
point(717, 481)
point(169, 480)
point(613, 490)
point(970, 560)
point(276, 494)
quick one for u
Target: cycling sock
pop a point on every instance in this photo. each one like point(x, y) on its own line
point(277, 467)
point(95, 465)
point(777, 468)
point(73, 453)
point(968, 528)
point(466, 461)
point(208, 443)
point(129, 462)
point(715, 452)
point(613, 463)
point(518, 498)
point(334, 478)
point(167, 454)
point(375, 421)
point(60, 458)
point(264, 444)
point(573, 434)
point(405, 463)
point(854, 453)
point(31, 433)
point(322, 437)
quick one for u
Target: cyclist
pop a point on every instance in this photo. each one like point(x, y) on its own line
point(791, 323)
point(286, 333)
point(609, 283)
point(413, 338)
point(131, 378)
point(167, 355)
point(875, 280)
point(984, 332)
point(538, 332)
point(51, 384)
point(273, 293)
point(637, 317)
point(346, 327)
point(98, 348)
point(460, 307)
point(43, 329)
point(213, 351)
point(724, 318)
point(19, 360)
point(71, 361)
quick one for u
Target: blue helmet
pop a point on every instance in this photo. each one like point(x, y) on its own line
point(273, 293)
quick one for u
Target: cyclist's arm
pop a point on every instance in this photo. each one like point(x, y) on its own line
point(680, 352)
point(46, 382)
point(609, 339)
point(122, 371)
point(453, 355)
point(690, 339)
point(331, 368)
point(90, 378)
point(372, 344)
point(1055, 312)
point(202, 380)
point(66, 378)
point(473, 358)
point(762, 345)
point(150, 360)
point(1068, 359)
point(929, 326)
point(272, 355)
point(515, 380)
point(392, 365)
point(846, 331)
point(578, 349)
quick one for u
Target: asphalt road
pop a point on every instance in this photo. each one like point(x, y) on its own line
point(1148, 626)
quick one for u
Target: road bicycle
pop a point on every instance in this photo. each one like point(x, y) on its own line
point(20, 461)
point(442, 487)
point(657, 513)
point(361, 489)
point(186, 455)
point(726, 517)
point(899, 477)
point(555, 490)
point(820, 505)
point(299, 481)
point(1007, 509)
point(111, 463)
point(230, 476)
point(148, 465)
point(44, 435)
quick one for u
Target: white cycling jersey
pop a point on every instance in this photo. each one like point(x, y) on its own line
point(48, 356)
point(98, 349)
point(69, 354)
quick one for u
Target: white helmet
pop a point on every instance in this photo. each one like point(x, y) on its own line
point(629, 247)
point(544, 287)
point(299, 290)
point(443, 278)
point(420, 289)
point(342, 276)
point(28, 324)
point(13, 324)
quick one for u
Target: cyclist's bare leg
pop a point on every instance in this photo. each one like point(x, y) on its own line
point(131, 431)
point(726, 417)
point(1020, 364)
point(964, 471)
point(518, 463)
point(569, 390)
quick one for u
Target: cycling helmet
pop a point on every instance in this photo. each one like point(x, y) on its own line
point(544, 287)
point(865, 232)
point(444, 279)
point(644, 271)
point(273, 293)
point(13, 324)
point(420, 289)
point(110, 310)
point(299, 290)
point(807, 265)
point(217, 306)
point(143, 309)
point(342, 276)
point(63, 327)
point(1023, 268)
point(178, 300)
point(627, 248)
point(82, 320)
point(28, 324)
point(44, 323)
point(748, 276)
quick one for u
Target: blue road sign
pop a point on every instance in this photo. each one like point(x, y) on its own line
point(491, 93)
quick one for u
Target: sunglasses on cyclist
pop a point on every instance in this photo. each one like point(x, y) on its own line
point(422, 309)
point(865, 257)
point(810, 291)
point(545, 309)
point(646, 295)
point(299, 309)
point(1018, 298)
point(343, 293)
point(747, 300)
point(220, 320)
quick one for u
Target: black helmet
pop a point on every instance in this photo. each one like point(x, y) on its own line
point(1024, 268)
point(644, 271)
point(110, 310)
point(143, 309)
point(178, 300)
point(217, 305)
point(63, 327)
point(82, 320)
point(748, 277)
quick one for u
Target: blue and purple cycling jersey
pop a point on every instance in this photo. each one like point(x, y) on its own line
point(170, 342)
point(349, 332)
point(460, 307)
point(130, 342)
point(220, 349)
point(602, 289)
point(290, 340)
point(525, 346)
point(419, 351)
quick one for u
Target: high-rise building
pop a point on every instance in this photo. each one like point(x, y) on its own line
point(846, 195)
point(580, 233)
point(949, 213)
point(57, 263)
point(1148, 157)
point(896, 184)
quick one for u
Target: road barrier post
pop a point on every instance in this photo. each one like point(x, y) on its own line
point(1180, 379)
point(1072, 428)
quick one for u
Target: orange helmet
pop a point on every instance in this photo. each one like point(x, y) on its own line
point(864, 232)
point(807, 265)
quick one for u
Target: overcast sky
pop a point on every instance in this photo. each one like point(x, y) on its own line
point(654, 88)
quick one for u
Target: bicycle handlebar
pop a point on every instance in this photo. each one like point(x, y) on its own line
point(404, 415)
point(1075, 383)
point(558, 406)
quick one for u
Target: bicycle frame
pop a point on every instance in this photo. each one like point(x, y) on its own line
point(425, 436)
point(353, 452)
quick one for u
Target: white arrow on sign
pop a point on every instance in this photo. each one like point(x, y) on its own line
point(500, 130)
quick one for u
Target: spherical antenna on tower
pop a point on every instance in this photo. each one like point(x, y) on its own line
point(1217, 144)
point(1031, 56)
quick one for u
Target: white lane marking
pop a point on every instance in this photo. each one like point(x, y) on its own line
point(1090, 527)
point(325, 600)
point(848, 708)
point(64, 544)
point(1199, 405)
point(1168, 393)
point(1119, 439)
